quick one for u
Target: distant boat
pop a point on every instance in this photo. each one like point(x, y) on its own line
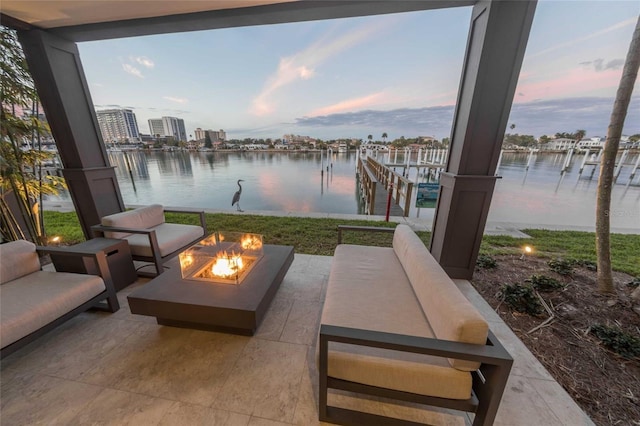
point(342, 147)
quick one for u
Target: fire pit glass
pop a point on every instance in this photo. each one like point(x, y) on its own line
point(223, 257)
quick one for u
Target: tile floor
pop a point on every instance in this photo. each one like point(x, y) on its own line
point(101, 368)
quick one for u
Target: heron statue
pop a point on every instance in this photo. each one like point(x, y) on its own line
point(236, 196)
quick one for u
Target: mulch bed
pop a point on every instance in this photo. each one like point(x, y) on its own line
point(605, 384)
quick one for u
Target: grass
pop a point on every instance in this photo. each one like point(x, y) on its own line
point(319, 236)
point(573, 245)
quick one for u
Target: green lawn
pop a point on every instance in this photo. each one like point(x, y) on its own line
point(319, 236)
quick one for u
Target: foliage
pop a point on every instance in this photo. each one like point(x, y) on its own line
point(485, 261)
point(522, 298)
point(577, 135)
point(617, 340)
point(520, 140)
point(544, 283)
point(21, 180)
point(562, 266)
point(634, 282)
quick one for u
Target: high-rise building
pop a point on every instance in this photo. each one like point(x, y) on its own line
point(155, 127)
point(168, 127)
point(118, 125)
point(199, 134)
point(217, 135)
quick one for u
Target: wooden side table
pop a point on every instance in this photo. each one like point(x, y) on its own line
point(119, 261)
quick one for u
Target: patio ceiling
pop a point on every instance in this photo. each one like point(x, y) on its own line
point(103, 19)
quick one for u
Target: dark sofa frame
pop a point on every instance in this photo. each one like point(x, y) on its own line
point(106, 301)
point(489, 380)
point(155, 258)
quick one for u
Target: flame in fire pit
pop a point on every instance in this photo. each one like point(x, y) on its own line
point(226, 265)
point(251, 242)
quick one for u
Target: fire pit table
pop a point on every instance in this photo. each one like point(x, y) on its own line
point(189, 294)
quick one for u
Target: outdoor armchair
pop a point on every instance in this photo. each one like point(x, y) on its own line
point(150, 237)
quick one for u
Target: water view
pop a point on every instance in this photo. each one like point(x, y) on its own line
point(291, 181)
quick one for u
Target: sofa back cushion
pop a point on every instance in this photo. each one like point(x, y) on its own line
point(140, 218)
point(17, 259)
point(450, 314)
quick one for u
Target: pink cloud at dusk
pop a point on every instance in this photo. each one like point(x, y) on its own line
point(576, 82)
point(303, 64)
point(352, 104)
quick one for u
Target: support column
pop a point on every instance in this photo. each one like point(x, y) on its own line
point(495, 49)
point(59, 78)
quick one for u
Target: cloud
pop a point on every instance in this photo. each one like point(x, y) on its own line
point(570, 83)
point(143, 60)
point(176, 100)
point(617, 26)
point(536, 118)
point(351, 104)
point(302, 65)
point(130, 69)
point(599, 65)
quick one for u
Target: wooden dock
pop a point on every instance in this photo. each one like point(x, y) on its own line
point(375, 180)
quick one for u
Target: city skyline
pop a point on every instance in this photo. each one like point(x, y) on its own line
point(396, 74)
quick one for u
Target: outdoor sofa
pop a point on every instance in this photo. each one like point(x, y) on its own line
point(34, 301)
point(395, 325)
point(150, 237)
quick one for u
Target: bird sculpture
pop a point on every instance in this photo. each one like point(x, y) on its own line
point(236, 196)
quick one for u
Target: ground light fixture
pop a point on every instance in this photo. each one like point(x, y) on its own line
point(526, 250)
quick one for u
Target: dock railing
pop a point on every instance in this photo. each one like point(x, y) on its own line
point(368, 183)
point(402, 186)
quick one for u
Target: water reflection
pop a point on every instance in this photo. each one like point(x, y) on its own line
point(288, 181)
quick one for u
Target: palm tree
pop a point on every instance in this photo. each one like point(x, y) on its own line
point(608, 162)
point(580, 134)
point(384, 137)
point(370, 137)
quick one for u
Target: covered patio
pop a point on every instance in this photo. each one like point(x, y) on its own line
point(125, 369)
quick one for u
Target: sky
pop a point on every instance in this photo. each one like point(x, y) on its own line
point(348, 78)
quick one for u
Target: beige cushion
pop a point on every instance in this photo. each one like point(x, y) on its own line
point(17, 259)
point(368, 289)
point(171, 237)
point(450, 314)
point(33, 301)
point(423, 374)
point(140, 218)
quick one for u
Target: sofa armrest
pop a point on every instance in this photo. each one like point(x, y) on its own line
point(361, 229)
point(203, 221)
point(100, 258)
point(491, 353)
point(99, 230)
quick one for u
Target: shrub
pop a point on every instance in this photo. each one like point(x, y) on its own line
point(486, 262)
point(521, 298)
point(634, 283)
point(590, 265)
point(562, 266)
point(544, 283)
point(617, 340)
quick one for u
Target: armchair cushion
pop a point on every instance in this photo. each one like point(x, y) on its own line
point(171, 237)
point(33, 301)
point(140, 218)
point(19, 258)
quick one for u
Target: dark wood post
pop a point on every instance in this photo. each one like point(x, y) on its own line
point(495, 49)
point(59, 78)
